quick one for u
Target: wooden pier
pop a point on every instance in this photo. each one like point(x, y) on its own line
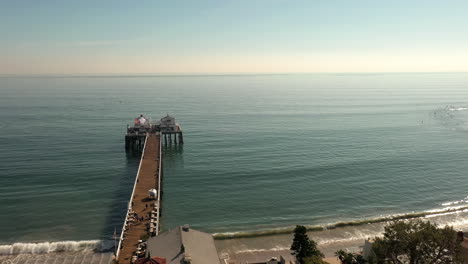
point(142, 219)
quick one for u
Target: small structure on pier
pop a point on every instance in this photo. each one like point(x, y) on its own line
point(153, 194)
point(141, 125)
point(170, 130)
point(166, 126)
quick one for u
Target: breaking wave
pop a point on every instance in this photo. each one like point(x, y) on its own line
point(465, 200)
point(277, 248)
point(457, 108)
point(61, 246)
point(315, 228)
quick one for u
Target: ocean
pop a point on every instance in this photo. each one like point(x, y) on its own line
point(262, 153)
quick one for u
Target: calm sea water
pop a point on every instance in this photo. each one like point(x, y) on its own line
point(260, 152)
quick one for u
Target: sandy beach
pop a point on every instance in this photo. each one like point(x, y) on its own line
point(263, 248)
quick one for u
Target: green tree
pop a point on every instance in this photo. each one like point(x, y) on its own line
point(314, 260)
point(303, 247)
point(417, 242)
point(350, 258)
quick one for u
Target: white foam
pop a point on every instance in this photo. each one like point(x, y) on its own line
point(458, 109)
point(350, 237)
point(464, 200)
point(61, 246)
point(447, 209)
point(277, 248)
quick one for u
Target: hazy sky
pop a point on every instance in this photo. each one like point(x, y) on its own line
point(232, 36)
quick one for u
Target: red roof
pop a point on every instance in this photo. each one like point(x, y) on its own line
point(153, 260)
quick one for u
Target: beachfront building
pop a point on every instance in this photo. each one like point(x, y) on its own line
point(273, 260)
point(464, 246)
point(367, 248)
point(151, 260)
point(184, 245)
point(259, 257)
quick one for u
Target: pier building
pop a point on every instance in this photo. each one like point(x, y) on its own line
point(167, 127)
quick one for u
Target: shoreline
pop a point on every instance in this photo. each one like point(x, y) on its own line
point(349, 236)
point(342, 224)
point(329, 240)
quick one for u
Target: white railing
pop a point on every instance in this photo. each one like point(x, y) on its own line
point(159, 184)
point(131, 199)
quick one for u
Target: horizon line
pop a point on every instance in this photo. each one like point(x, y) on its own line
point(102, 75)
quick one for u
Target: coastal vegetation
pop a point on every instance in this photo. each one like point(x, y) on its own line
point(412, 242)
point(304, 249)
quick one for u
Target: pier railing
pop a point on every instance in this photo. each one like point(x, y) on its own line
point(159, 186)
point(129, 208)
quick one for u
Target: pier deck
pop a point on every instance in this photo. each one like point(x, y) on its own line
point(147, 178)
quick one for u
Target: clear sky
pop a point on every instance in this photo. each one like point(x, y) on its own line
point(232, 36)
